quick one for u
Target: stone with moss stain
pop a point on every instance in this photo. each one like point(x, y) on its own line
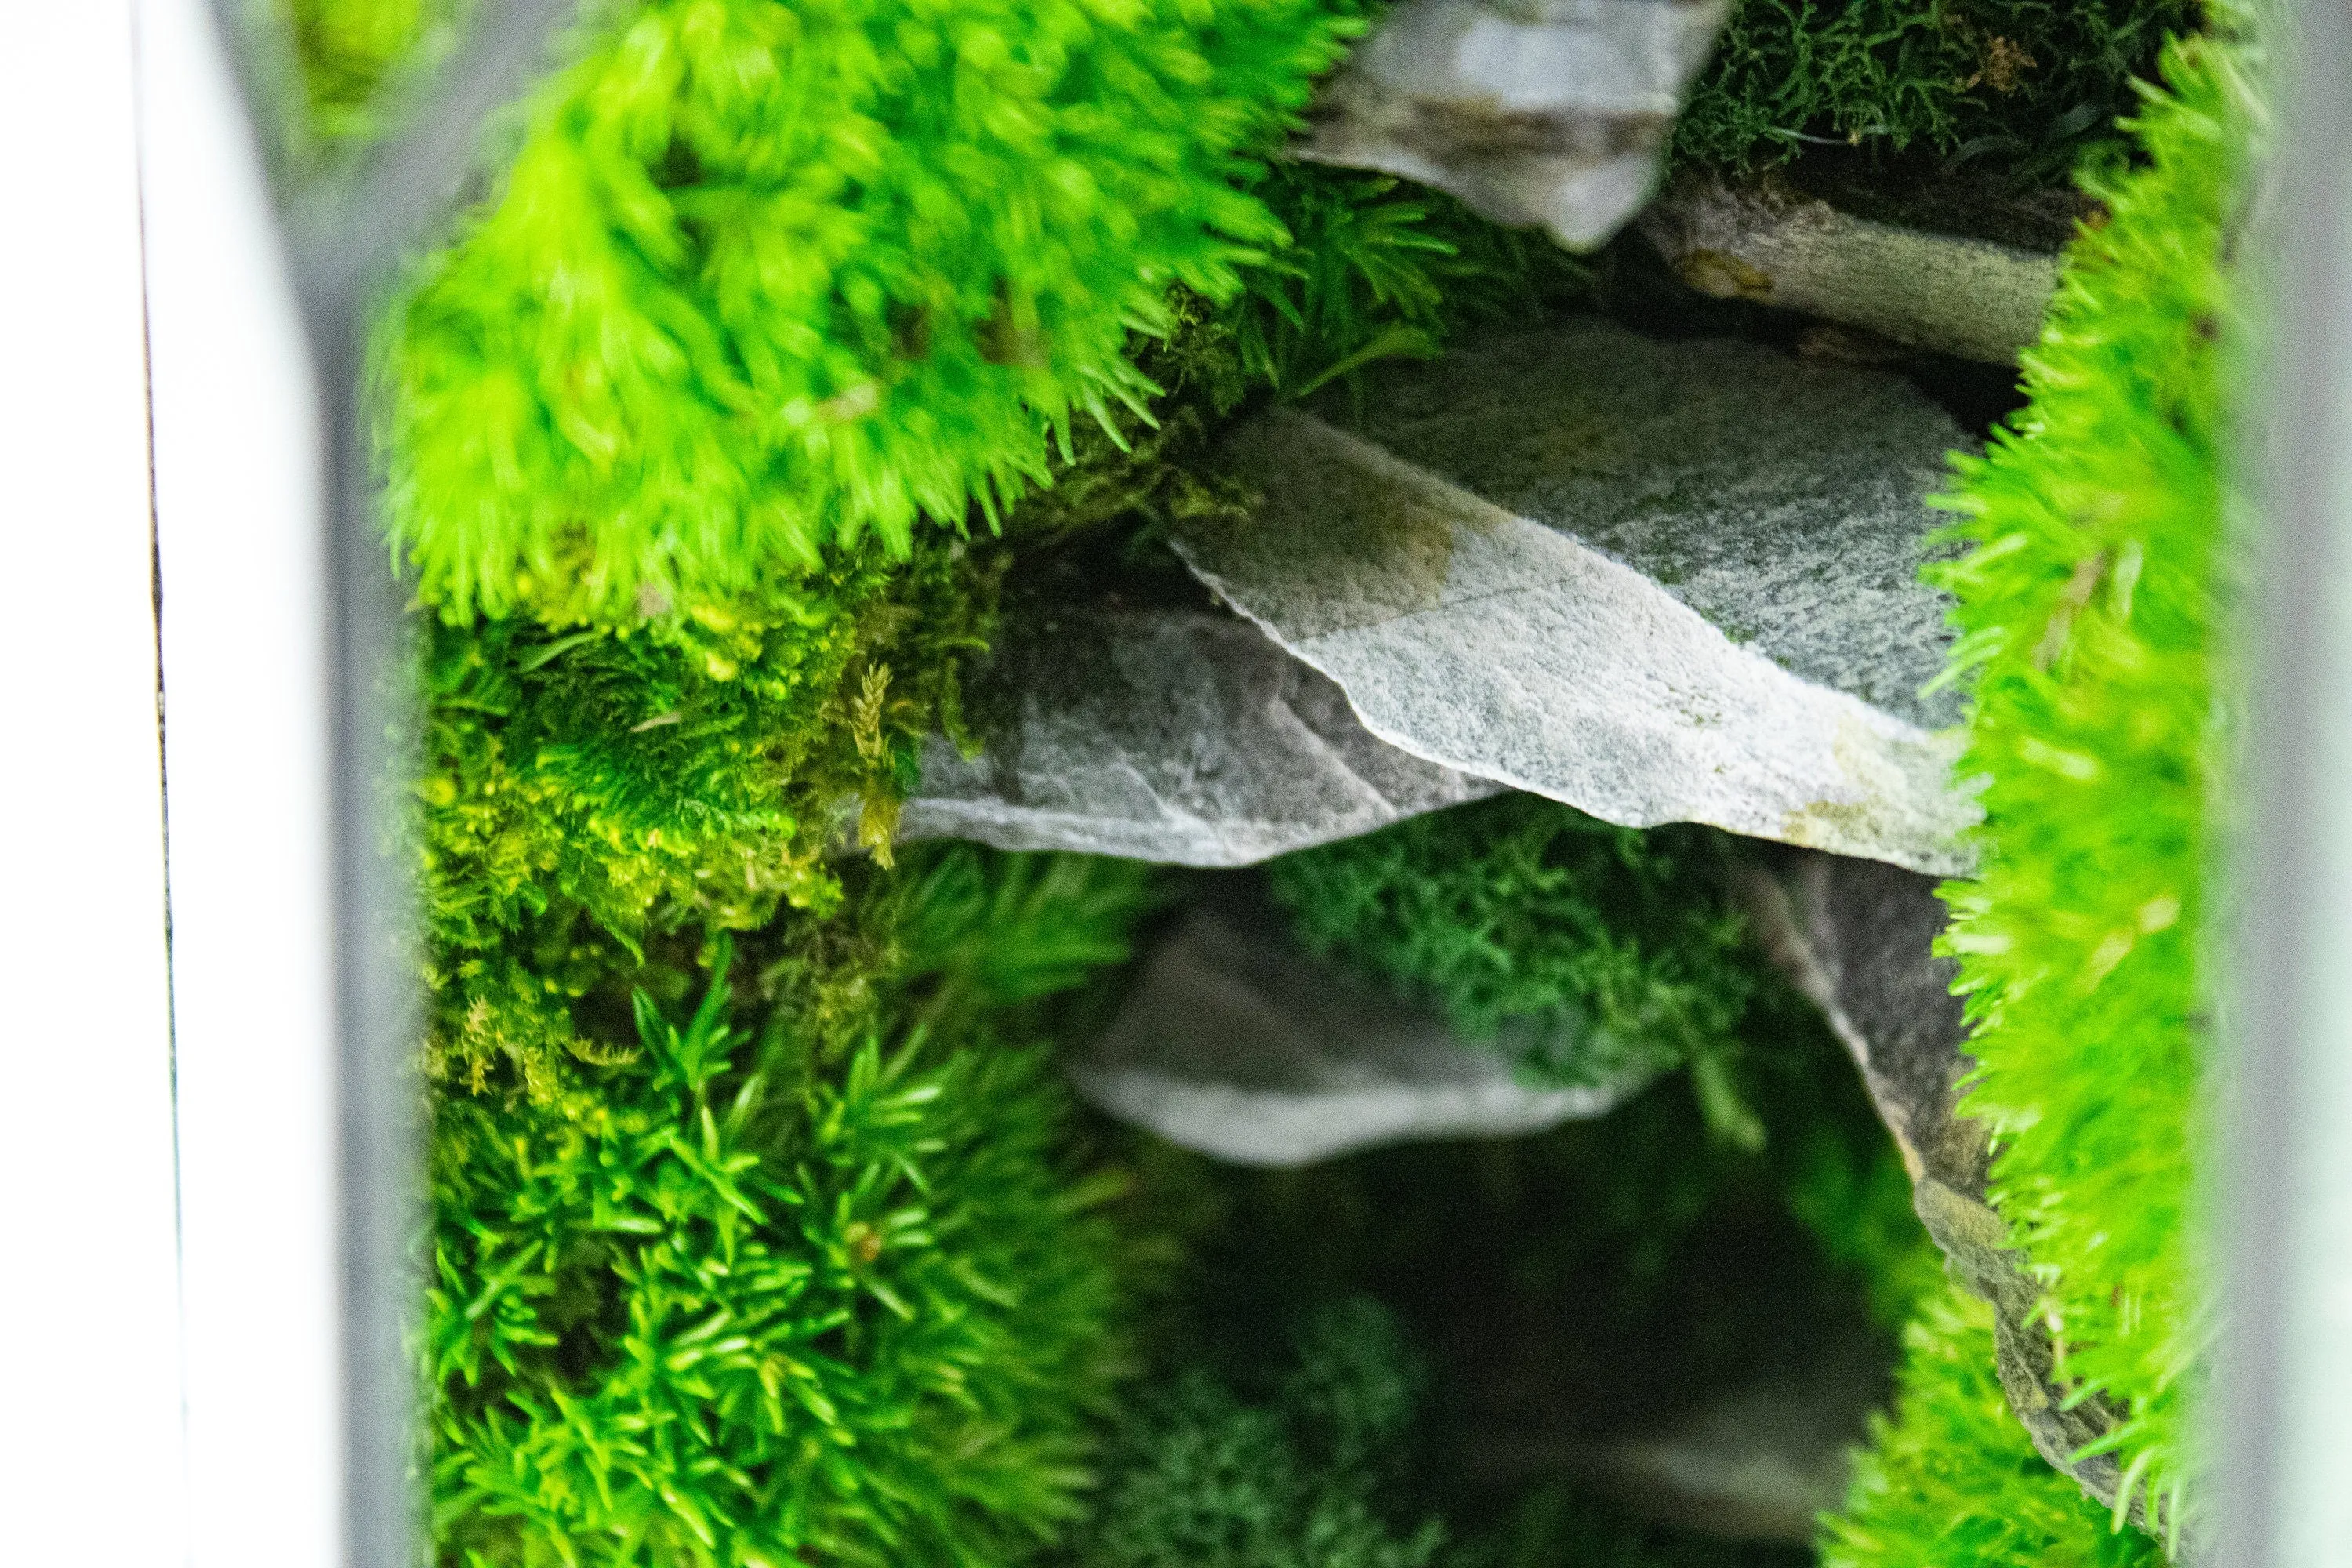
point(1554, 112)
point(1956, 293)
point(1167, 735)
point(1235, 1044)
point(1661, 581)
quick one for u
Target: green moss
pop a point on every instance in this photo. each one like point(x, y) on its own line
point(828, 1287)
point(1952, 1477)
point(583, 793)
point(352, 52)
point(2023, 85)
point(761, 281)
point(1584, 948)
point(2085, 611)
point(1294, 1469)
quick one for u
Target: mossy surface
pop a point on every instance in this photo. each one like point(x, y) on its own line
point(2024, 86)
point(696, 432)
point(2086, 609)
point(1950, 1477)
point(1295, 1461)
point(584, 793)
point(1581, 948)
point(833, 1281)
point(761, 282)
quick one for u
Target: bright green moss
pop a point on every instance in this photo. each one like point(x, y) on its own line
point(765, 280)
point(585, 792)
point(1296, 1474)
point(1952, 1477)
point(1582, 947)
point(351, 51)
point(816, 1290)
point(2022, 85)
point(2086, 614)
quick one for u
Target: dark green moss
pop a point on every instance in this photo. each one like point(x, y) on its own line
point(1293, 1465)
point(2024, 86)
point(1583, 948)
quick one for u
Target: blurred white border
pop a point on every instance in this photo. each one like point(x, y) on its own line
point(90, 1452)
point(170, 1300)
point(239, 496)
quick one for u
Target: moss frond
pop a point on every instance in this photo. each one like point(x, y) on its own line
point(738, 1297)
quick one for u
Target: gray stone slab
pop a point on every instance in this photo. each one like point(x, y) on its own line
point(1168, 735)
point(1543, 111)
point(1235, 1044)
point(1960, 294)
point(1659, 581)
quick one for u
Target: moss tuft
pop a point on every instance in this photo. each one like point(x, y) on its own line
point(584, 793)
point(764, 281)
point(2085, 611)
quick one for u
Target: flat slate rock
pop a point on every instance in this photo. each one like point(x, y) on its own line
point(1532, 111)
point(1235, 1044)
point(1969, 295)
point(1663, 582)
point(1168, 735)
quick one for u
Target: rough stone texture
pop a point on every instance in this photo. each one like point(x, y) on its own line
point(1549, 112)
point(1855, 937)
point(1235, 1044)
point(1168, 735)
point(1661, 581)
point(1976, 298)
